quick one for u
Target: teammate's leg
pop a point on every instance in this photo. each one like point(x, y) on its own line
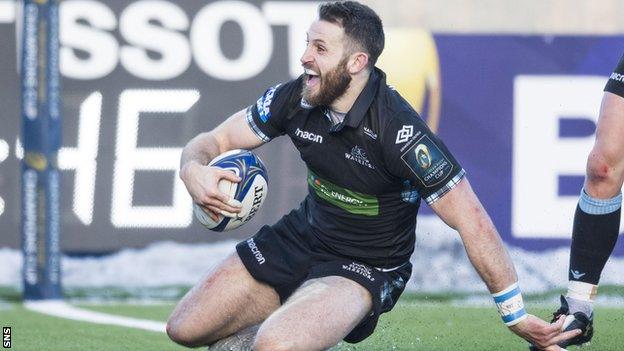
point(597, 217)
point(227, 300)
point(317, 316)
point(596, 220)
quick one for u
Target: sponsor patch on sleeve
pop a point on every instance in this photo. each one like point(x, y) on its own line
point(264, 104)
point(615, 84)
point(427, 162)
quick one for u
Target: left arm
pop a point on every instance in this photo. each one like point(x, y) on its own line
point(461, 210)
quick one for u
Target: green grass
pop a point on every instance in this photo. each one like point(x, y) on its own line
point(418, 322)
point(33, 331)
point(439, 326)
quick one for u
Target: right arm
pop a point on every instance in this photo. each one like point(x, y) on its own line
point(200, 180)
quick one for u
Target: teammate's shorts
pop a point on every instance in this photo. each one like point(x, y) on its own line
point(288, 253)
point(615, 84)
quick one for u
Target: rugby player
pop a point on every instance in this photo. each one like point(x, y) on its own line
point(597, 217)
point(328, 269)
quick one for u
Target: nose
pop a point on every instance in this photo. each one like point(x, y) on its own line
point(307, 56)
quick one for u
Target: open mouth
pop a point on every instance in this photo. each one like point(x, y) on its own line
point(311, 78)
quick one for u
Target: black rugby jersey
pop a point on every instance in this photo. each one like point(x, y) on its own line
point(615, 84)
point(366, 175)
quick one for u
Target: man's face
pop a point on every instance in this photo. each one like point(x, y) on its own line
point(325, 64)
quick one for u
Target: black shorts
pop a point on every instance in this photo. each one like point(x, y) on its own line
point(288, 253)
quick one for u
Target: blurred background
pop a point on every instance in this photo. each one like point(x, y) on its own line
point(513, 88)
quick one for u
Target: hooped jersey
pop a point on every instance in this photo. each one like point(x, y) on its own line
point(615, 84)
point(366, 175)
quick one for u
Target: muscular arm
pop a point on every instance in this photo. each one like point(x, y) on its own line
point(461, 210)
point(233, 133)
point(202, 181)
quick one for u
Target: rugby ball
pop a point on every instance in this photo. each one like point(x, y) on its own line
point(250, 191)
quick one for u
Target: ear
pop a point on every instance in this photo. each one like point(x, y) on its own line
point(357, 62)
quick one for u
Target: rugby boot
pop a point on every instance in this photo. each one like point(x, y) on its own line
point(578, 320)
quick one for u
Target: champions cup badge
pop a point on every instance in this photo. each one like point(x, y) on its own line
point(423, 156)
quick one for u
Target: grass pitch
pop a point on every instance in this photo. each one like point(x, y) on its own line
point(414, 324)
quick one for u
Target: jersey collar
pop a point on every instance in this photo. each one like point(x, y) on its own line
point(365, 99)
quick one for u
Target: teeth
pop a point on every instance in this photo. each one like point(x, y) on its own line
point(310, 72)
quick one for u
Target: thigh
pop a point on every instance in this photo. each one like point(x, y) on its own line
point(610, 127)
point(225, 301)
point(317, 316)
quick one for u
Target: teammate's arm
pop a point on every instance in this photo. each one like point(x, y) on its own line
point(200, 180)
point(461, 210)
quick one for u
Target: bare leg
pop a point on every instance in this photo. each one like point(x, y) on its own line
point(597, 217)
point(241, 341)
point(316, 317)
point(227, 300)
point(605, 164)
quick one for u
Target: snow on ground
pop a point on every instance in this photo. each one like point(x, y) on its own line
point(440, 264)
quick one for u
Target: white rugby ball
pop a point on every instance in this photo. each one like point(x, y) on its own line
point(250, 191)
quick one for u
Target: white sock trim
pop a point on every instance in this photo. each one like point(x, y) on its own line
point(582, 291)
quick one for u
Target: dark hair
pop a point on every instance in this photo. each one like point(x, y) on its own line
point(361, 24)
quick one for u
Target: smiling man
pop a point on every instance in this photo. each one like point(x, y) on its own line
point(332, 266)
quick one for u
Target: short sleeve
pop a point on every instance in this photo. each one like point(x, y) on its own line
point(267, 117)
point(615, 84)
point(412, 152)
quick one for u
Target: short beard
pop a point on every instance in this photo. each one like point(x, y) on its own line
point(333, 85)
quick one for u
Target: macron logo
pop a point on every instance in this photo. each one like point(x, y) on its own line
point(309, 136)
point(617, 77)
point(577, 274)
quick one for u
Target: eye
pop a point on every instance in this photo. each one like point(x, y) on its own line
point(320, 48)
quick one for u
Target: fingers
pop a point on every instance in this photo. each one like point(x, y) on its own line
point(206, 192)
point(559, 323)
point(229, 214)
point(226, 174)
point(557, 338)
point(222, 197)
point(555, 329)
point(212, 212)
point(565, 336)
point(229, 209)
point(545, 336)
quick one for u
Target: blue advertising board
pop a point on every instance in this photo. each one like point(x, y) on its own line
point(519, 112)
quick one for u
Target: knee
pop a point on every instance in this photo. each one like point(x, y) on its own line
point(182, 335)
point(601, 170)
point(270, 342)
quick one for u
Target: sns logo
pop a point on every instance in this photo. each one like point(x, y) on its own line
point(6, 337)
point(423, 156)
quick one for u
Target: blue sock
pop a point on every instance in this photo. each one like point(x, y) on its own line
point(595, 232)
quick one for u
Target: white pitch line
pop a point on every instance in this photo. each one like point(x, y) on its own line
point(63, 310)
point(7, 11)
